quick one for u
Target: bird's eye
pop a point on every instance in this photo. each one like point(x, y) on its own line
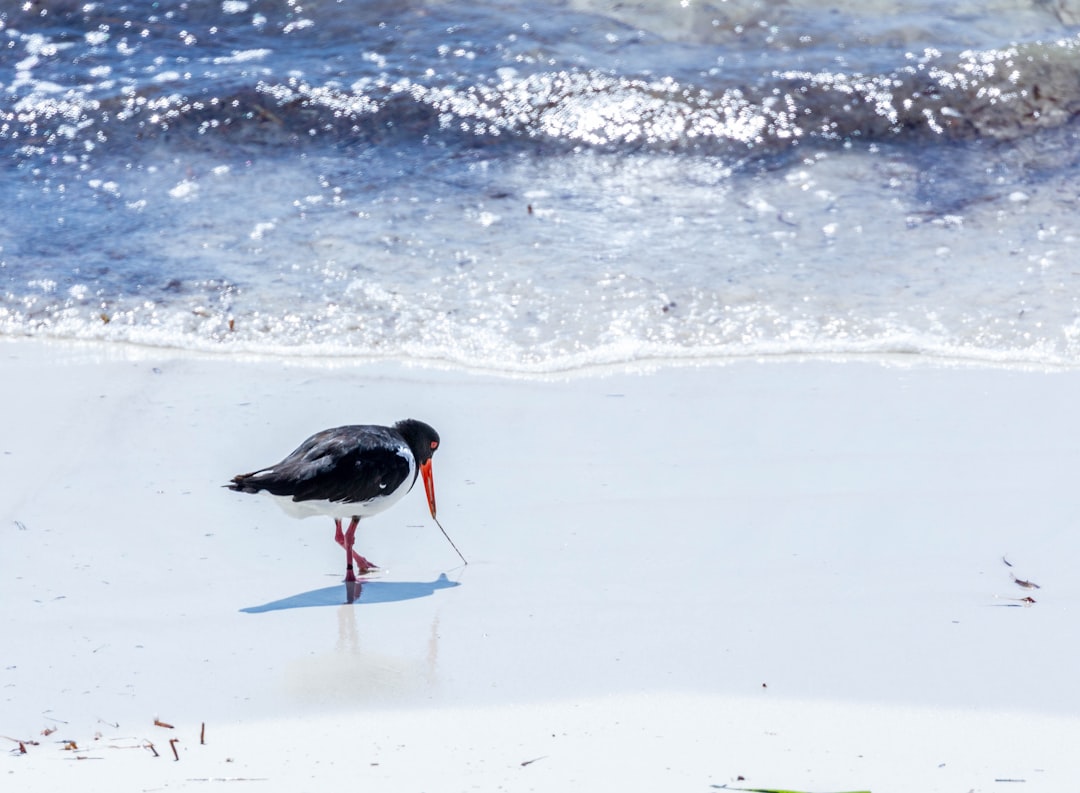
point(434, 445)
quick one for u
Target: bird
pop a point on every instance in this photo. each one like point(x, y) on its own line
point(354, 472)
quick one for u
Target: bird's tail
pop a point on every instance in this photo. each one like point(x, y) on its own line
point(242, 484)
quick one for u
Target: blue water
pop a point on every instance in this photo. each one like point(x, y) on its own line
point(543, 186)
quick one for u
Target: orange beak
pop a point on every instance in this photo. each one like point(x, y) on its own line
point(429, 485)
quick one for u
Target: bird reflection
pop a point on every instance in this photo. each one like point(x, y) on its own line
point(370, 660)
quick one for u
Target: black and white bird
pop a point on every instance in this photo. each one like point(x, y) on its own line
point(350, 472)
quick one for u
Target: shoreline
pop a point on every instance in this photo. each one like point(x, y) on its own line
point(647, 365)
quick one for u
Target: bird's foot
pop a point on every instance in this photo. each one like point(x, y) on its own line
point(364, 565)
point(364, 569)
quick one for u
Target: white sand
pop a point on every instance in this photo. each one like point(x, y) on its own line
point(789, 572)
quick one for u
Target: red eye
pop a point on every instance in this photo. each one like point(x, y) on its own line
point(434, 445)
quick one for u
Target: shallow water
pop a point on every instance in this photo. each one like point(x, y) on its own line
point(529, 186)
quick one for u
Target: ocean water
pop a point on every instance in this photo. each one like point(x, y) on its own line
point(531, 186)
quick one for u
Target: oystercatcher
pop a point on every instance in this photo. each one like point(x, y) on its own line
point(350, 472)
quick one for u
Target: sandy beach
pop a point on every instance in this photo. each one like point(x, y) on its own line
point(799, 575)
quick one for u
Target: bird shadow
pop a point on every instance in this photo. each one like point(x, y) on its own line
point(358, 593)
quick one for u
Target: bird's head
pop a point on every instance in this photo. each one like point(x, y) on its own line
point(423, 440)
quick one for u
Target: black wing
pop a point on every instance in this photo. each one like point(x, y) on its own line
point(346, 464)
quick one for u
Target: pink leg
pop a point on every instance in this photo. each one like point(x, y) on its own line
point(339, 538)
point(346, 541)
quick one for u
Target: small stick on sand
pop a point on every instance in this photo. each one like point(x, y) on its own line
point(447, 536)
point(1025, 584)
